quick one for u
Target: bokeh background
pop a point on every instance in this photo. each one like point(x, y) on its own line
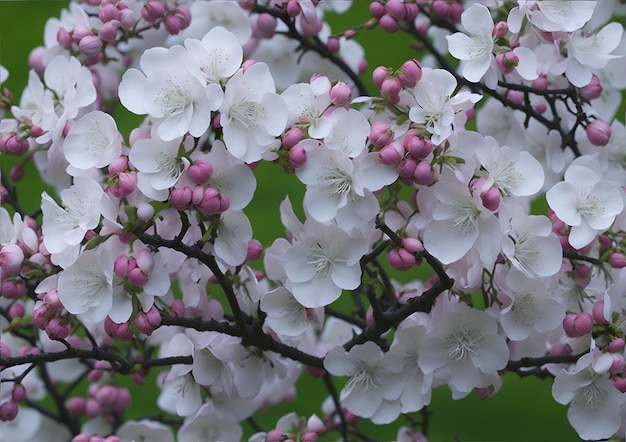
point(522, 411)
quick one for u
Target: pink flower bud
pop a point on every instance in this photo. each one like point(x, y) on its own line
point(377, 9)
point(76, 405)
point(118, 165)
point(619, 383)
point(507, 62)
point(52, 300)
point(396, 9)
point(379, 75)
point(410, 73)
point(123, 400)
point(340, 94)
point(276, 436)
point(388, 23)
point(57, 329)
point(18, 393)
point(153, 11)
point(401, 259)
point(381, 133)
point(64, 38)
point(309, 437)
point(491, 199)
point(311, 27)
point(617, 345)
point(292, 137)
point(417, 147)
point(137, 277)
point(17, 172)
point(126, 185)
point(442, 9)
point(106, 396)
point(617, 260)
point(424, 173)
point(82, 437)
point(577, 325)
point(5, 351)
point(391, 86)
point(112, 438)
point(143, 324)
point(93, 408)
point(598, 313)
point(406, 167)
point(41, 316)
point(79, 32)
point(108, 12)
point(11, 259)
point(266, 25)
point(592, 90)
point(118, 331)
point(180, 198)
point(297, 156)
point(516, 97)
point(391, 154)
point(120, 266)
point(95, 375)
point(127, 18)
point(173, 24)
point(8, 411)
point(255, 250)
point(17, 310)
point(108, 31)
point(11, 289)
point(177, 308)
point(413, 245)
point(211, 201)
point(500, 29)
point(293, 8)
point(35, 60)
point(598, 133)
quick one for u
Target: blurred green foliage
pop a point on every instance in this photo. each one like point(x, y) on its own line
point(523, 410)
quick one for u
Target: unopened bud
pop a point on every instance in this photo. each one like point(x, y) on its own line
point(598, 132)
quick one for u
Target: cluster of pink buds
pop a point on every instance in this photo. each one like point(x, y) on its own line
point(403, 258)
point(104, 400)
point(448, 10)
point(9, 409)
point(122, 331)
point(410, 157)
point(135, 269)
point(206, 200)
point(148, 322)
point(507, 61)
point(51, 316)
point(122, 182)
point(392, 13)
point(391, 83)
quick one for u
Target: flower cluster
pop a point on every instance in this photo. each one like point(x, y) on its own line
point(464, 220)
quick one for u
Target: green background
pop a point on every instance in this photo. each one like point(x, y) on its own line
point(523, 410)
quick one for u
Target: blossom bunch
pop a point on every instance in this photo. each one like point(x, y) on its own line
point(460, 216)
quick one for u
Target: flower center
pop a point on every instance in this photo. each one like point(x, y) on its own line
point(246, 113)
point(462, 344)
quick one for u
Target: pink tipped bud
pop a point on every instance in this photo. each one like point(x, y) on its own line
point(177, 308)
point(93, 408)
point(598, 313)
point(8, 411)
point(410, 73)
point(424, 173)
point(11, 259)
point(64, 38)
point(126, 184)
point(516, 97)
point(108, 12)
point(173, 24)
point(127, 18)
point(333, 44)
point(118, 165)
point(377, 9)
point(491, 199)
point(108, 31)
point(598, 133)
point(293, 8)
point(379, 75)
point(82, 437)
point(57, 329)
point(18, 393)
point(52, 301)
point(118, 331)
point(145, 260)
point(120, 266)
point(297, 156)
point(592, 90)
point(340, 94)
point(617, 260)
point(381, 133)
point(5, 351)
point(35, 60)
point(500, 29)
point(292, 137)
point(200, 171)
point(619, 383)
point(153, 11)
point(79, 32)
point(406, 167)
point(396, 9)
point(266, 25)
point(180, 198)
point(12, 289)
point(560, 349)
point(401, 259)
point(418, 148)
point(106, 396)
point(507, 62)
point(276, 435)
point(485, 392)
point(311, 27)
point(137, 277)
point(17, 172)
point(442, 9)
point(17, 310)
point(541, 82)
point(76, 405)
point(309, 437)
point(617, 345)
point(577, 325)
point(255, 250)
point(391, 154)
point(391, 86)
point(388, 23)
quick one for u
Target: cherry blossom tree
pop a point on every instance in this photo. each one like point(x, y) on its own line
point(446, 222)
